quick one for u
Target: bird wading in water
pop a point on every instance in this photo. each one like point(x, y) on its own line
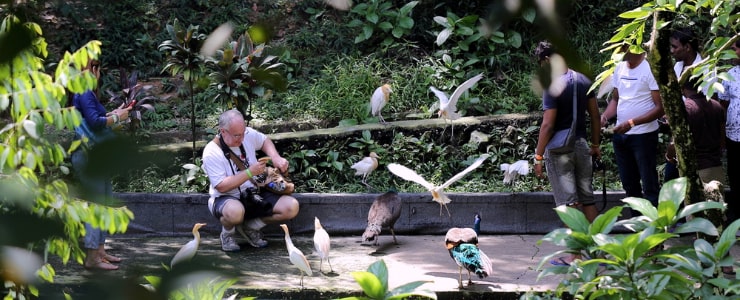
point(448, 105)
point(384, 212)
point(379, 100)
point(462, 244)
point(296, 256)
point(322, 243)
point(187, 252)
point(366, 166)
point(438, 194)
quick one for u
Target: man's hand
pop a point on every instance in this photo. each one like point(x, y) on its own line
point(280, 163)
point(538, 171)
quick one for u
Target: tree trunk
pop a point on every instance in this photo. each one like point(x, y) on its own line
point(662, 66)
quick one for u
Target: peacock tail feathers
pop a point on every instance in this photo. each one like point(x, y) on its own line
point(472, 259)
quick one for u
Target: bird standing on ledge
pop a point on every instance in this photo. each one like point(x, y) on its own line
point(296, 256)
point(188, 251)
point(366, 166)
point(462, 244)
point(379, 100)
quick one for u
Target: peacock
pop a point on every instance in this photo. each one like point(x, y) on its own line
point(462, 243)
point(384, 212)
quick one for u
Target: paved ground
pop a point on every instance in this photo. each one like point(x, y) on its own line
point(267, 274)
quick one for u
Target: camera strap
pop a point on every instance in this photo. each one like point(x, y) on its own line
point(241, 165)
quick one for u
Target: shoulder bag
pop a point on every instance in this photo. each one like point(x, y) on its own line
point(562, 141)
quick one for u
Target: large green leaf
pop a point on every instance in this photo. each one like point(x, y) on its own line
point(573, 218)
point(370, 284)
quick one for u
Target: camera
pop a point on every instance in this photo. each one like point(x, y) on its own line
point(251, 199)
point(597, 164)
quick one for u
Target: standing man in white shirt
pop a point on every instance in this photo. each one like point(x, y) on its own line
point(637, 104)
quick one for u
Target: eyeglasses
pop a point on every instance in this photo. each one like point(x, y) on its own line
point(235, 136)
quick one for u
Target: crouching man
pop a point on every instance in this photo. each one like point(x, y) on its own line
point(232, 167)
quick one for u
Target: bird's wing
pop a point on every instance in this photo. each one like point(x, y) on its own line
point(300, 261)
point(452, 105)
point(363, 165)
point(377, 101)
point(606, 86)
point(504, 167)
point(410, 175)
point(322, 242)
point(467, 170)
point(442, 96)
point(521, 167)
point(185, 253)
point(485, 262)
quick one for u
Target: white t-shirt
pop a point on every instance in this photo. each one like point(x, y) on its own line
point(678, 69)
point(217, 167)
point(732, 94)
point(635, 99)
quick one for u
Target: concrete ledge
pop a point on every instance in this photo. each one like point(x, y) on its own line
point(346, 214)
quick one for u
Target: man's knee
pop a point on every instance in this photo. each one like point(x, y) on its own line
point(286, 208)
point(233, 213)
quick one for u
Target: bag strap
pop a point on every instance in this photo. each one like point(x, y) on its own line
point(240, 165)
point(575, 100)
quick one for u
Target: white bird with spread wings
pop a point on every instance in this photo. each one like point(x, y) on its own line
point(448, 106)
point(438, 194)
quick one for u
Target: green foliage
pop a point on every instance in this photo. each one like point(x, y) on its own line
point(379, 18)
point(183, 57)
point(638, 265)
point(43, 216)
point(374, 283)
point(133, 94)
point(241, 72)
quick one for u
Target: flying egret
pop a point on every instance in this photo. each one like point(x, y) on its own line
point(366, 166)
point(512, 171)
point(322, 243)
point(379, 100)
point(188, 251)
point(448, 106)
point(296, 256)
point(438, 194)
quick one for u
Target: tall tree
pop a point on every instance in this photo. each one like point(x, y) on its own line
point(38, 211)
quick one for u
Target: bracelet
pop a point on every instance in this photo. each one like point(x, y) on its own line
point(537, 162)
point(248, 172)
point(631, 122)
point(116, 118)
point(538, 157)
point(594, 146)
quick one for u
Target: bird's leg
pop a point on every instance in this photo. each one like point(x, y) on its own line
point(330, 268)
point(321, 262)
point(301, 279)
point(440, 209)
point(394, 236)
point(459, 280)
point(380, 117)
point(470, 281)
point(452, 130)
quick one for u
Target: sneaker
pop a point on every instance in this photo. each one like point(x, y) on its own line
point(253, 237)
point(228, 244)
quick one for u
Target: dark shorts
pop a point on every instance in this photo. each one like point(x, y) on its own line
point(220, 202)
